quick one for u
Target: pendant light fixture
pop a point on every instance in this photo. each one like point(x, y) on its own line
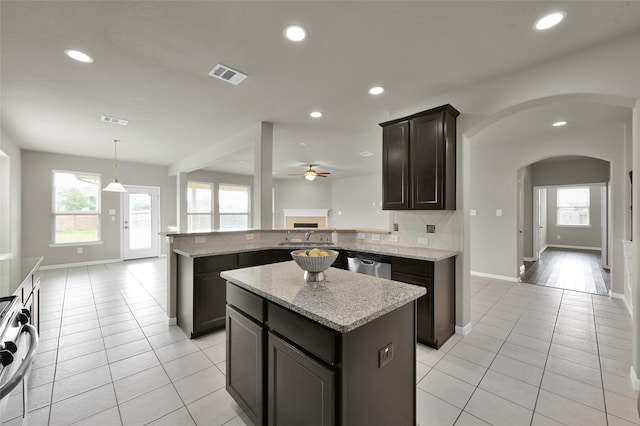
point(115, 186)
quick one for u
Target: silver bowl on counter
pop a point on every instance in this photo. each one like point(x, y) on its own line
point(314, 266)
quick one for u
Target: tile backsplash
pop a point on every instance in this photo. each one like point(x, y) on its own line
point(412, 229)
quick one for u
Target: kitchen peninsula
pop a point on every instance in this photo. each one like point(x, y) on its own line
point(341, 351)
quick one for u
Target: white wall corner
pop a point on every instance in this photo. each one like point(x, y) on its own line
point(635, 381)
point(624, 299)
point(464, 330)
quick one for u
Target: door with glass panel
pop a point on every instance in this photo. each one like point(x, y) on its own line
point(141, 222)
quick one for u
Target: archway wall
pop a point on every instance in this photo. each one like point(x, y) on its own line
point(605, 73)
point(494, 185)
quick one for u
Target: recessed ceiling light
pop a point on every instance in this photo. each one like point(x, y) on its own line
point(303, 143)
point(366, 153)
point(376, 90)
point(316, 114)
point(559, 123)
point(295, 33)
point(78, 56)
point(550, 20)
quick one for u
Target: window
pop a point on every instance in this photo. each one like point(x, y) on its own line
point(573, 206)
point(76, 207)
point(233, 201)
point(199, 206)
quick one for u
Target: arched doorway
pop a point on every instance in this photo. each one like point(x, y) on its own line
point(563, 223)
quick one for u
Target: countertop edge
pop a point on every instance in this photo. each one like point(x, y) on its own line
point(443, 254)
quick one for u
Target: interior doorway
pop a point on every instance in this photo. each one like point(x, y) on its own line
point(140, 222)
point(567, 224)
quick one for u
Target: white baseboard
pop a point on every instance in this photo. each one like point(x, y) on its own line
point(464, 330)
point(530, 259)
point(634, 378)
point(495, 277)
point(574, 247)
point(172, 321)
point(72, 265)
point(624, 299)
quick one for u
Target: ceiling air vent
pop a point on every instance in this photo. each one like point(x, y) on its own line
point(227, 74)
point(114, 120)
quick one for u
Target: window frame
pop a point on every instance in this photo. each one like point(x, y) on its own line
point(55, 214)
point(211, 212)
point(238, 213)
point(588, 207)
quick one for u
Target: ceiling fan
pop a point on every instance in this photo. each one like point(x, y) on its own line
point(311, 174)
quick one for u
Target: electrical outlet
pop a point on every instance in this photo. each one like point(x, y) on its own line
point(431, 229)
point(249, 236)
point(385, 355)
point(375, 237)
point(361, 235)
point(79, 250)
point(423, 241)
point(395, 227)
point(200, 240)
point(376, 248)
point(393, 238)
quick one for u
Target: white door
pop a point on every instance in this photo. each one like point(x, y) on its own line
point(141, 222)
point(539, 221)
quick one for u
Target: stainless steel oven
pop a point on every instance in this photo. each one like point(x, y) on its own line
point(18, 346)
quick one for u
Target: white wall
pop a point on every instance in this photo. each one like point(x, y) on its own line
point(11, 222)
point(37, 207)
point(356, 202)
point(300, 194)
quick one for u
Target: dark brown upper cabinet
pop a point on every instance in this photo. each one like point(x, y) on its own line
point(419, 161)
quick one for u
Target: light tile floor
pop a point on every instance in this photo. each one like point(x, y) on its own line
point(536, 356)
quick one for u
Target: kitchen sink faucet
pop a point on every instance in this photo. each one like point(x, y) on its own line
point(308, 235)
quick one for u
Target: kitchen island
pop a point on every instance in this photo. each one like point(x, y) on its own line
point(341, 352)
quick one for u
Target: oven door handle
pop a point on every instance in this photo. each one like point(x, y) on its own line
point(22, 371)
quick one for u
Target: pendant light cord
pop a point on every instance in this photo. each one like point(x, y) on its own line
point(115, 160)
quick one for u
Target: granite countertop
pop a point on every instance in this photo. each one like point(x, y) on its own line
point(14, 271)
point(418, 253)
point(343, 302)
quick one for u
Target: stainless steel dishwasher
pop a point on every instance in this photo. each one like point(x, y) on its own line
point(369, 264)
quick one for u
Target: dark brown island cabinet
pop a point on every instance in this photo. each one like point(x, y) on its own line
point(419, 161)
point(285, 369)
point(436, 310)
point(201, 292)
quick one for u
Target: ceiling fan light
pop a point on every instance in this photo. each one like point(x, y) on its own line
point(309, 175)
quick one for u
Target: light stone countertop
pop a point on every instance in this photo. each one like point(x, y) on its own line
point(343, 302)
point(418, 253)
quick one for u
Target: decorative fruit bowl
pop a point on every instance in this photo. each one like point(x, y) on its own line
point(314, 262)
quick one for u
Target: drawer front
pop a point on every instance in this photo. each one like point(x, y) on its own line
point(307, 334)
point(253, 258)
point(246, 302)
point(215, 263)
point(422, 268)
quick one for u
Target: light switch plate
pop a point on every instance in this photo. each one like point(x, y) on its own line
point(499, 212)
point(473, 212)
point(200, 240)
point(361, 235)
point(249, 236)
point(423, 241)
point(375, 237)
point(393, 238)
point(112, 211)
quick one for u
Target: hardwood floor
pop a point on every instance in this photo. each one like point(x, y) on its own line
point(578, 270)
